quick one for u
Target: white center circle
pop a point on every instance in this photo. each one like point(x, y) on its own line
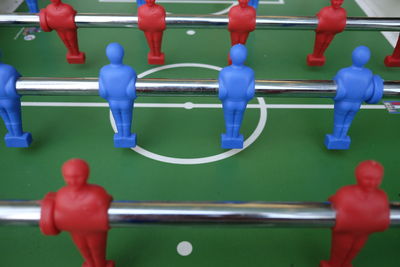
point(192, 161)
point(184, 248)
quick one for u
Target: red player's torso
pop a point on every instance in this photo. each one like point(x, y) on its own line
point(242, 19)
point(85, 210)
point(362, 212)
point(60, 16)
point(331, 20)
point(151, 18)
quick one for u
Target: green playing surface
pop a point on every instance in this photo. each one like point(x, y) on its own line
point(286, 160)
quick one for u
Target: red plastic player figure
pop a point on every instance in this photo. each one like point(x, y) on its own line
point(152, 22)
point(61, 18)
point(331, 20)
point(81, 209)
point(361, 210)
point(242, 21)
point(394, 59)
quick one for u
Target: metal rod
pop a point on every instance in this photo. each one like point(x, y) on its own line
point(205, 21)
point(175, 87)
point(263, 214)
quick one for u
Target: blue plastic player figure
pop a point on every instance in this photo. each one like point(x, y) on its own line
point(33, 6)
point(117, 86)
point(236, 88)
point(10, 108)
point(355, 84)
point(140, 3)
point(253, 3)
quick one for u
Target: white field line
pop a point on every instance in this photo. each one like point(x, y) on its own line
point(279, 2)
point(19, 33)
point(371, 12)
point(189, 105)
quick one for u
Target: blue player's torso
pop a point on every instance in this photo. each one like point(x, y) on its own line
point(116, 80)
point(356, 82)
point(236, 81)
point(7, 72)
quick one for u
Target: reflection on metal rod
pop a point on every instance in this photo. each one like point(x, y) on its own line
point(205, 21)
point(264, 214)
point(173, 87)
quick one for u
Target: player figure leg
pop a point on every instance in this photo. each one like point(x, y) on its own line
point(11, 114)
point(322, 41)
point(6, 119)
point(33, 6)
point(343, 116)
point(394, 59)
point(358, 244)
point(243, 37)
point(70, 40)
point(154, 40)
point(92, 247)
point(235, 37)
point(97, 243)
point(122, 113)
point(83, 247)
point(232, 139)
point(342, 244)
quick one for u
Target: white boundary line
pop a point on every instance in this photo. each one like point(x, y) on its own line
point(190, 105)
point(370, 12)
point(279, 2)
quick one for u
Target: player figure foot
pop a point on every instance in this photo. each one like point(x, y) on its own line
point(76, 59)
point(18, 141)
point(391, 61)
point(124, 141)
point(331, 142)
point(231, 142)
point(156, 60)
point(315, 61)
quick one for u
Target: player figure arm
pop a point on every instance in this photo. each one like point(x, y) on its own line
point(340, 88)
point(131, 88)
point(10, 87)
point(102, 89)
point(222, 92)
point(376, 90)
point(43, 20)
point(251, 89)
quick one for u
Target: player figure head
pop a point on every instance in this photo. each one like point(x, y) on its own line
point(238, 54)
point(56, 2)
point(369, 175)
point(150, 2)
point(115, 53)
point(75, 172)
point(361, 56)
point(336, 3)
point(243, 3)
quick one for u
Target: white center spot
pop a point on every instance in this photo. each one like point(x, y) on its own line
point(184, 248)
point(190, 32)
point(29, 37)
point(189, 105)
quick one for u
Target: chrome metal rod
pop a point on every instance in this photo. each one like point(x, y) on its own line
point(205, 21)
point(251, 214)
point(174, 87)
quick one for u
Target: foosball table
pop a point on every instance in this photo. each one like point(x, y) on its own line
point(179, 199)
